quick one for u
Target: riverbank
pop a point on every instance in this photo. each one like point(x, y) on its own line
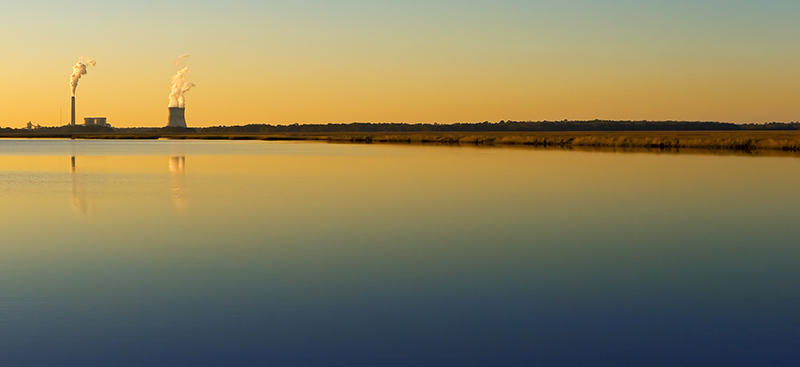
point(786, 141)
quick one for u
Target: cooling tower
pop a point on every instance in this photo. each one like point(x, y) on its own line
point(176, 117)
point(72, 121)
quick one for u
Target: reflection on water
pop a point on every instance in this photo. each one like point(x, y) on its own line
point(81, 179)
point(682, 151)
point(298, 254)
point(79, 203)
point(177, 168)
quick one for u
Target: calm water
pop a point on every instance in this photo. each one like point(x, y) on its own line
point(173, 253)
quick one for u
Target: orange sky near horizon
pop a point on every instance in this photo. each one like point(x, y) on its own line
point(444, 61)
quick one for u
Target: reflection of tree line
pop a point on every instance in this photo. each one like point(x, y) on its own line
point(177, 169)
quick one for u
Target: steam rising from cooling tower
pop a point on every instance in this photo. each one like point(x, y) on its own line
point(179, 85)
point(78, 71)
point(177, 103)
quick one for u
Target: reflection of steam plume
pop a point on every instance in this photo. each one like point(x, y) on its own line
point(177, 166)
point(78, 71)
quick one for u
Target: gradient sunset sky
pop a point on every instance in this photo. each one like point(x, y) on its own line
point(445, 61)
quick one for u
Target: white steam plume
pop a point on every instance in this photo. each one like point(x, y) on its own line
point(179, 87)
point(178, 60)
point(78, 71)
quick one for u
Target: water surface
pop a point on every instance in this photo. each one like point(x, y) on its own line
point(190, 253)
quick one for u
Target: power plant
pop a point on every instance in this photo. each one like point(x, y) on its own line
point(177, 104)
point(95, 121)
point(177, 117)
point(78, 71)
point(177, 101)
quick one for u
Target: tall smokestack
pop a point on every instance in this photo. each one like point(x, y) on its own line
point(177, 117)
point(72, 122)
point(78, 71)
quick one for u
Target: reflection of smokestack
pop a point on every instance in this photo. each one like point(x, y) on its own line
point(73, 111)
point(177, 117)
point(79, 203)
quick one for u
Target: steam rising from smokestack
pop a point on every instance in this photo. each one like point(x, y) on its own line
point(78, 71)
point(179, 86)
point(178, 60)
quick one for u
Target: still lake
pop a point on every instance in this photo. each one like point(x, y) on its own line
point(232, 253)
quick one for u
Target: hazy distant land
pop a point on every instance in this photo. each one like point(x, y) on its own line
point(663, 135)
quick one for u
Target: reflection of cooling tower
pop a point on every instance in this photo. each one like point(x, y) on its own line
point(176, 117)
point(177, 166)
point(72, 122)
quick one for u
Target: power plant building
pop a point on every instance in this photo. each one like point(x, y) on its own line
point(95, 121)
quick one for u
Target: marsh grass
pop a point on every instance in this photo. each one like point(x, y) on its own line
point(742, 141)
point(715, 140)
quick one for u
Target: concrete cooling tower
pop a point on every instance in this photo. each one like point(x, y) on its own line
point(177, 117)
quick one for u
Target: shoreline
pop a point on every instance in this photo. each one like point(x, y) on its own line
point(741, 141)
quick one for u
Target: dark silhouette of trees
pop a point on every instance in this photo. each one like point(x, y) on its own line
point(368, 127)
point(507, 126)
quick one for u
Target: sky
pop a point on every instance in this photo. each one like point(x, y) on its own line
point(443, 61)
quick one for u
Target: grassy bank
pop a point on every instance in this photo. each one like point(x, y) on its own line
point(725, 140)
point(787, 141)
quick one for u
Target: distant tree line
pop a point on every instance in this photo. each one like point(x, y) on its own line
point(368, 127)
point(593, 125)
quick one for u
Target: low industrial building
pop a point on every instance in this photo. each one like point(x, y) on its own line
point(92, 121)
